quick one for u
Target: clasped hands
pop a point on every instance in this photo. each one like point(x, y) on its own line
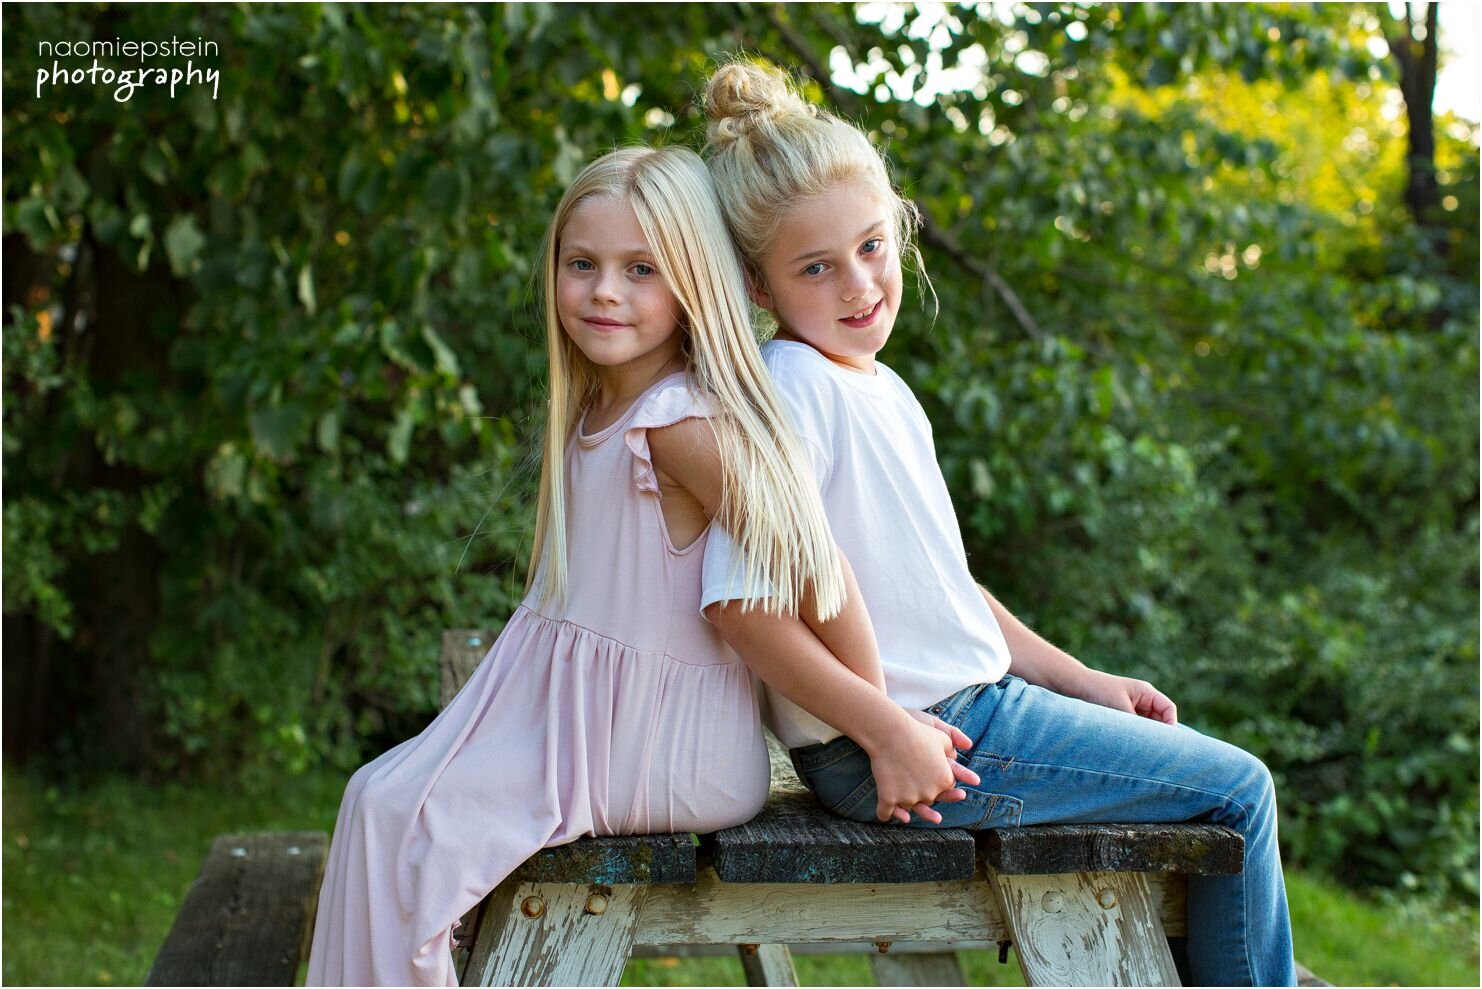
point(918, 767)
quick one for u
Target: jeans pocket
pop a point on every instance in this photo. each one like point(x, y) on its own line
point(859, 803)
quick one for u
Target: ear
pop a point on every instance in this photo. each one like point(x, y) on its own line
point(757, 292)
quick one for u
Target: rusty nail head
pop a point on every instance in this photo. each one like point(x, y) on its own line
point(882, 946)
point(1107, 898)
point(597, 904)
point(750, 949)
point(532, 907)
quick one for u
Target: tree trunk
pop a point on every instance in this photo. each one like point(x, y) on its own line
point(1417, 60)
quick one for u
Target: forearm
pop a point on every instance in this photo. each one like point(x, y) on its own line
point(849, 636)
point(1033, 658)
point(788, 657)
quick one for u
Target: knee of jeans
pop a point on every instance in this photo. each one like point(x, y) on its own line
point(1256, 788)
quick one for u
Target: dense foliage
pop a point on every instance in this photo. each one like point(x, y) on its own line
point(1205, 391)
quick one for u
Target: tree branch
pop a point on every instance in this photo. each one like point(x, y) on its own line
point(991, 279)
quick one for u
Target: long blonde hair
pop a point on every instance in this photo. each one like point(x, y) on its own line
point(769, 149)
point(769, 504)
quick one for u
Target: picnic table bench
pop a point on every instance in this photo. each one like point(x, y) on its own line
point(1081, 905)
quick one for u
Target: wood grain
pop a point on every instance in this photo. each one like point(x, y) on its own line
point(555, 934)
point(247, 918)
point(768, 965)
point(1085, 929)
point(1197, 849)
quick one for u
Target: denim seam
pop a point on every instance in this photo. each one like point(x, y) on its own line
point(820, 760)
point(1014, 760)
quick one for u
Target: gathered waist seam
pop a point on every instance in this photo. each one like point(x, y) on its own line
point(660, 653)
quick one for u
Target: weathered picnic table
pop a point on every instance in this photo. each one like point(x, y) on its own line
point(1082, 905)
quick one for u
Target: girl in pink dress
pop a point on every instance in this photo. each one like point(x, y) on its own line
point(608, 705)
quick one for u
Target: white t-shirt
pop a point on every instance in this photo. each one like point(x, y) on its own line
point(872, 454)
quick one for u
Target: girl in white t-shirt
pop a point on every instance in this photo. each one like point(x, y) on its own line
point(822, 232)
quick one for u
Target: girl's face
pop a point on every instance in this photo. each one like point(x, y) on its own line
point(833, 277)
point(610, 296)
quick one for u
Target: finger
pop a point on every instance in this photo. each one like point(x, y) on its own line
point(959, 738)
point(925, 812)
point(965, 775)
point(1159, 708)
point(1170, 713)
point(951, 796)
point(883, 811)
point(900, 814)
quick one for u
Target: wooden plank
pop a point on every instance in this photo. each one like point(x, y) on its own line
point(247, 918)
point(1198, 849)
point(897, 949)
point(714, 912)
point(615, 861)
point(939, 968)
point(462, 650)
point(768, 965)
point(794, 840)
point(555, 934)
point(1085, 929)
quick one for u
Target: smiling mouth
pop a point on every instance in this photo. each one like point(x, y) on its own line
point(864, 316)
point(603, 324)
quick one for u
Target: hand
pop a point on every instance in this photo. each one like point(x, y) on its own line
point(1126, 694)
point(916, 767)
point(958, 737)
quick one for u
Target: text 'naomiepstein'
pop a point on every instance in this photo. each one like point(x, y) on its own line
point(125, 81)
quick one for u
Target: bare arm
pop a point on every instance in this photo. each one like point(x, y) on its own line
point(849, 635)
point(1042, 663)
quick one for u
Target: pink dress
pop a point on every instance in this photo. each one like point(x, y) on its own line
point(621, 712)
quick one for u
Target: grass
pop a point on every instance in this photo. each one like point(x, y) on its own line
point(93, 876)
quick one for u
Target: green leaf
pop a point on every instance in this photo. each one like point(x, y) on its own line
point(278, 429)
point(306, 288)
point(327, 434)
point(34, 220)
point(399, 440)
point(183, 244)
point(447, 361)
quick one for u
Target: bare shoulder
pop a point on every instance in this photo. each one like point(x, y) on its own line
point(687, 454)
point(685, 440)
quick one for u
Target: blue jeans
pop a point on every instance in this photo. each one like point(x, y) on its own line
point(1049, 759)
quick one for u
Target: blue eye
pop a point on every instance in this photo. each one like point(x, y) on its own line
point(582, 264)
point(816, 268)
point(878, 242)
point(644, 270)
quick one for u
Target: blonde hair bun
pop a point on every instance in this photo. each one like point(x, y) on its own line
point(743, 96)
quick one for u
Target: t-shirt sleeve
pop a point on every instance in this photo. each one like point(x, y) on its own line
point(723, 573)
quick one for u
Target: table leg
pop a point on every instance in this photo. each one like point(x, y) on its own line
point(1085, 929)
point(555, 934)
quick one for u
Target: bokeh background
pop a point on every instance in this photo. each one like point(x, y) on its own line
point(1203, 376)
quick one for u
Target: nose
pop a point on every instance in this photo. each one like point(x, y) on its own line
point(606, 287)
point(855, 282)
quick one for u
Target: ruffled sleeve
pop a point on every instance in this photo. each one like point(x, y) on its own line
point(667, 404)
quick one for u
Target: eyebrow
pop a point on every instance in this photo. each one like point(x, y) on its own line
point(629, 252)
point(875, 227)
